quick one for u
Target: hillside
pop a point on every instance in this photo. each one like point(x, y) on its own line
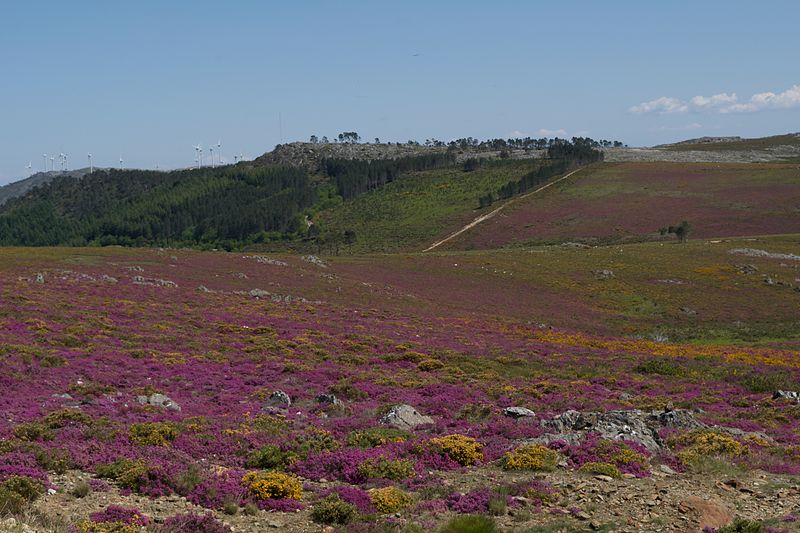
point(550, 389)
point(618, 202)
point(260, 203)
point(21, 187)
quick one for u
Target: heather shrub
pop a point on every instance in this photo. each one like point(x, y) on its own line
point(474, 413)
point(530, 457)
point(661, 367)
point(269, 457)
point(273, 485)
point(606, 469)
point(353, 495)
point(333, 510)
point(186, 480)
point(470, 524)
point(153, 433)
point(376, 436)
point(622, 455)
point(16, 492)
point(347, 390)
point(390, 499)
point(192, 522)
point(120, 515)
point(463, 450)
point(383, 468)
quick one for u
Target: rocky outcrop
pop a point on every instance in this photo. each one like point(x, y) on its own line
point(403, 416)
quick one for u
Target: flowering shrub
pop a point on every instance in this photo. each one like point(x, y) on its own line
point(121, 515)
point(390, 499)
point(623, 456)
point(273, 485)
point(701, 443)
point(192, 522)
point(271, 456)
point(354, 495)
point(464, 450)
point(530, 457)
point(127, 473)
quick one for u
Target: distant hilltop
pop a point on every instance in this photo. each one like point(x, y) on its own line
point(706, 140)
point(19, 188)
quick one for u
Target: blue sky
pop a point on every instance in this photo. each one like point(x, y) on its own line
point(149, 79)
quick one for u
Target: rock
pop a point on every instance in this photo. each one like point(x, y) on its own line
point(108, 279)
point(403, 416)
point(159, 400)
point(39, 278)
point(710, 514)
point(603, 477)
point(274, 524)
point(667, 470)
point(603, 274)
point(747, 269)
point(625, 396)
point(626, 425)
point(260, 293)
point(329, 399)
point(314, 260)
point(688, 311)
point(518, 412)
point(278, 399)
point(786, 395)
point(582, 515)
point(141, 280)
point(203, 288)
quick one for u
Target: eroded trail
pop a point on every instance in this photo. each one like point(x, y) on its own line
point(492, 213)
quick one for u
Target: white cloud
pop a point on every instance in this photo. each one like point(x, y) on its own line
point(786, 100)
point(722, 103)
point(553, 133)
point(717, 100)
point(662, 105)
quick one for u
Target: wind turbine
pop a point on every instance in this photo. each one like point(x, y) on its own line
point(197, 151)
point(30, 164)
point(211, 149)
point(52, 163)
point(120, 160)
point(61, 161)
point(219, 151)
point(91, 168)
point(44, 158)
point(66, 167)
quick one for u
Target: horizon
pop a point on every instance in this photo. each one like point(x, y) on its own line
point(146, 82)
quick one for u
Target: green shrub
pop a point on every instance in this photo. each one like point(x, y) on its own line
point(270, 457)
point(347, 390)
point(382, 468)
point(471, 524)
point(742, 525)
point(33, 431)
point(376, 436)
point(606, 469)
point(662, 367)
point(17, 492)
point(81, 489)
point(332, 510)
point(129, 474)
point(153, 433)
point(65, 417)
point(390, 499)
point(314, 440)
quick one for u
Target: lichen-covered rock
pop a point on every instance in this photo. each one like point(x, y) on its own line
point(278, 400)
point(518, 412)
point(159, 400)
point(403, 416)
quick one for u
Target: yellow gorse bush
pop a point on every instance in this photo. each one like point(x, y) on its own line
point(530, 457)
point(273, 485)
point(464, 450)
point(390, 499)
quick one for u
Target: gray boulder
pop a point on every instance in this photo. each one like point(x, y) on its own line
point(518, 412)
point(403, 416)
point(279, 400)
point(330, 399)
point(159, 400)
point(786, 395)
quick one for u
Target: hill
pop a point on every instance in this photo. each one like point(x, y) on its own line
point(618, 202)
point(21, 187)
point(261, 203)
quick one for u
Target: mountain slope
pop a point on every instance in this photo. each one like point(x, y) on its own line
point(21, 187)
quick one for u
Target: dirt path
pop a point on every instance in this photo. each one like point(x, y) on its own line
point(492, 213)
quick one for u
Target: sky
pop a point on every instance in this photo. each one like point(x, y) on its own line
point(148, 80)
